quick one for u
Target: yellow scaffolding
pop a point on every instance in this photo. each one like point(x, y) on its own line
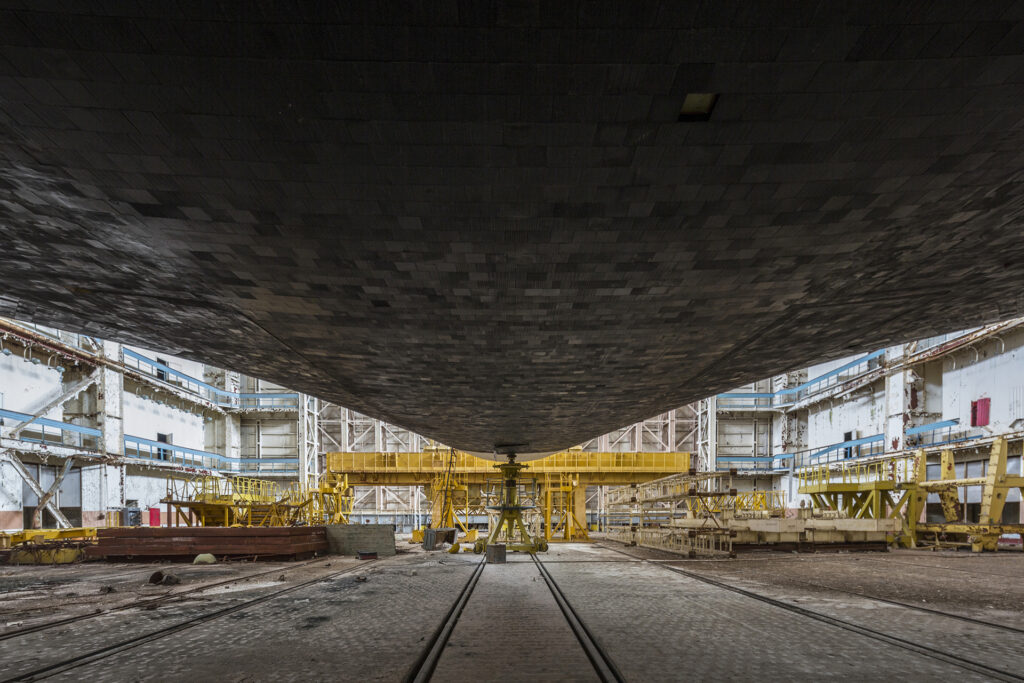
point(688, 513)
point(330, 499)
point(898, 488)
point(562, 508)
point(243, 501)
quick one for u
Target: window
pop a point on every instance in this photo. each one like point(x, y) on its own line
point(980, 412)
point(163, 453)
point(848, 451)
point(160, 372)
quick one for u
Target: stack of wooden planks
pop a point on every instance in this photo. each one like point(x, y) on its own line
point(121, 543)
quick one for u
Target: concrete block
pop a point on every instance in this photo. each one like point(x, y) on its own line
point(348, 539)
point(496, 553)
point(433, 538)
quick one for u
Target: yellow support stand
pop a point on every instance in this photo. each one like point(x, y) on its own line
point(328, 500)
point(449, 504)
point(565, 509)
point(510, 528)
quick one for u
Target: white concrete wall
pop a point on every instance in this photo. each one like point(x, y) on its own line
point(147, 488)
point(189, 367)
point(10, 497)
point(987, 373)
point(862, 413)
point(101, 490)
point(744, 435)
point(146, 419)
point(25, 386)
point(269, 438)
point(820, 369)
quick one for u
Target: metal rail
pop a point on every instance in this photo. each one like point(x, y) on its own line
point(603, 665)
point(130, 643)
point(152, 602)
point(889, 639)
point(423, 668)
point(929, 610)
point(941, 568)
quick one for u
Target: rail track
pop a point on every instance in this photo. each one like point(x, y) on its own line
point(128, 643)
point(603, 664)
point(939, 567)
point(874, 634)
point(151, 602)
point(424, 667)
point(912, 606)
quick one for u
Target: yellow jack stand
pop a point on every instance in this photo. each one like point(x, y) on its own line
point(561, 521)
point(510, 528)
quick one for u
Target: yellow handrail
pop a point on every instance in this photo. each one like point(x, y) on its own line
point(899, 469)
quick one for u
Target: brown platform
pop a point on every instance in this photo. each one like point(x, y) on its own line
point(187, 542)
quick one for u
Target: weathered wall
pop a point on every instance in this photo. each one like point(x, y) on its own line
point(991, 369)
point(24, 385)
point(10, 497)
point(146, 419)
point(863, 413)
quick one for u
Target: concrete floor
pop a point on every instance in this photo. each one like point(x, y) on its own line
point(906, 614)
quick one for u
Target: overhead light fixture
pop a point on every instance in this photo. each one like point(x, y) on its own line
point(697, 106)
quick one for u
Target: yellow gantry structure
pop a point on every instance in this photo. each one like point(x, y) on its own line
point(243, 501)
point(898, 488)
point(457, 481)
point(421, 469)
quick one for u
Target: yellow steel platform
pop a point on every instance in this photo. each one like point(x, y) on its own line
point(14, 538)
point(898, 488)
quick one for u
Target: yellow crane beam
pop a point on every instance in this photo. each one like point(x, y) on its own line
point(592, 468)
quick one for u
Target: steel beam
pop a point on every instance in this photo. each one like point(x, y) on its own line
point(20, 468)
point(62, 398)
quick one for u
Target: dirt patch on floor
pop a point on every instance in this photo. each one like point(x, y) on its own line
point(978, 585)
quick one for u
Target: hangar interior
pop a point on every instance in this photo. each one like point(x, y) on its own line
point(788, 488)
point(618, 341)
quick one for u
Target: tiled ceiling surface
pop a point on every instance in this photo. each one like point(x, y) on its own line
point(484, 221)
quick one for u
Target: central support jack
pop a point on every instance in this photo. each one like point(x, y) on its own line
point(510, 528)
